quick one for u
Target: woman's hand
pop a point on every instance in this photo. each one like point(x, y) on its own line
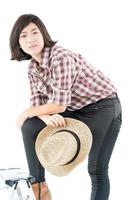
point(53, 120)
point(23, 116)
point(21, 119)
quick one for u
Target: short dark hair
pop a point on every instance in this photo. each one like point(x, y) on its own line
point(16, 52)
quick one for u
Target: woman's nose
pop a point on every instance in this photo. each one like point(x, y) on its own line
point(31, 39)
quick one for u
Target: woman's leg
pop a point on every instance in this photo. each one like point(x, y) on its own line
point(104, 120)
point(30, 131)
point(99, 160)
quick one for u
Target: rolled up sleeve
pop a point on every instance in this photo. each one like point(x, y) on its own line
point(63, 78)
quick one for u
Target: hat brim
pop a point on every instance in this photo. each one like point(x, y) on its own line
point(85, 136)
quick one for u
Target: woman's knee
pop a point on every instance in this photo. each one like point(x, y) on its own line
point(27, 127)
point(100, 172)
point(98, 176)
point(32, 125)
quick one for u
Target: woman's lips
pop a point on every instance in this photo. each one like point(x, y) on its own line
point(33, 46)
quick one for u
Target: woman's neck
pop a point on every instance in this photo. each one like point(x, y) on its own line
point(37, 57)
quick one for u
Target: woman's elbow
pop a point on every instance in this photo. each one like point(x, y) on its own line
point(62, 108)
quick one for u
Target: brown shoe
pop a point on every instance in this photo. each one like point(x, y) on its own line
point(41, 191)
point(45, 193)
point(35, 188)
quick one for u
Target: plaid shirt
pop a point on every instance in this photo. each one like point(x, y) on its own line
point(66, 78)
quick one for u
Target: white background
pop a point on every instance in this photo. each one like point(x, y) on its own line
point(101, 30)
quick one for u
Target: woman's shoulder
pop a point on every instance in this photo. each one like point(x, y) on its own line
point(60, 52)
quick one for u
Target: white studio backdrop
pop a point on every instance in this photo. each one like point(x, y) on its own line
point(100, 30)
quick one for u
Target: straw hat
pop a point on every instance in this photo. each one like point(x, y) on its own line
point(61, 149)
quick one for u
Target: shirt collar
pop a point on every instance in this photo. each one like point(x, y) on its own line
point(45, 57)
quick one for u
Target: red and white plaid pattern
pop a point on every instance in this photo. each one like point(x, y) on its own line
point(66, 78)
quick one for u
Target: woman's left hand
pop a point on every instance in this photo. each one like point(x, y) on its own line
point(21, 119)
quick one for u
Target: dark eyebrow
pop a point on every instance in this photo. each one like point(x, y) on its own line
point(34, 29)
point(31, 30)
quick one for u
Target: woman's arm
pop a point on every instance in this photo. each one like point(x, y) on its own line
point(64, 75)
point(46, 109)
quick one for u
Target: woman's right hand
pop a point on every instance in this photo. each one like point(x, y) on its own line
point(55, 120)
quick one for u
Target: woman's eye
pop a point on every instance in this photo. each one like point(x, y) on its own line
point(35, 32)
point(22, 36)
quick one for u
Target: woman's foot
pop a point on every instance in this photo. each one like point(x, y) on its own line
point(35, 188)
point(41, 191)
point(45, 192)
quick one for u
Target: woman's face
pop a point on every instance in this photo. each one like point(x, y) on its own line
point(31, 40)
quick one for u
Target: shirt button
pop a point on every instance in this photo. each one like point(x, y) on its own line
point(41, 74)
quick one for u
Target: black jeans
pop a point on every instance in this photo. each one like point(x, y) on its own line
point(104, 120)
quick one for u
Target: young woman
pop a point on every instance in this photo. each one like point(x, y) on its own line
point(63, 84)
